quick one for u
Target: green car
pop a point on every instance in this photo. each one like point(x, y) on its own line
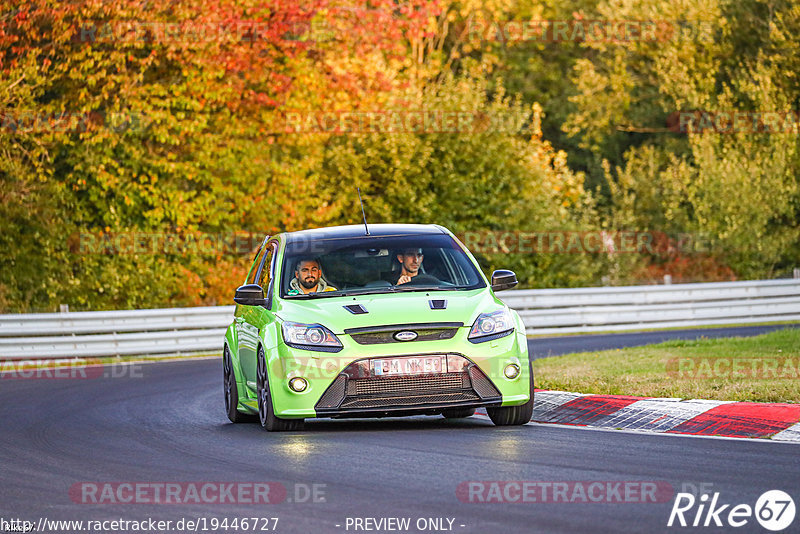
point(385, 320)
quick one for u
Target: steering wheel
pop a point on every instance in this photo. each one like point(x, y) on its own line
point(423, 279)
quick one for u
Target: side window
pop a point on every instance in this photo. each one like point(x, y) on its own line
point(254, 268)
point(265, 276)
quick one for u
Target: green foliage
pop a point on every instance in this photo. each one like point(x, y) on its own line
point(739, 191)
point(502, 179)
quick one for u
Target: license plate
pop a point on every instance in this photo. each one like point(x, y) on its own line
point(423, 365)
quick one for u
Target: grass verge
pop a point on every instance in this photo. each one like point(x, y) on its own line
point(763, 368)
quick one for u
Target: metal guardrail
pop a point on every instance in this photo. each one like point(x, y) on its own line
point(113, 333)
point(608, 309)
point(544, 311)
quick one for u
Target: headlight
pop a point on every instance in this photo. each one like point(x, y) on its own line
point(310, 337)
point(491, 326)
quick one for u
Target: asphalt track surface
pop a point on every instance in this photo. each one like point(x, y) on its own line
point(165, 423)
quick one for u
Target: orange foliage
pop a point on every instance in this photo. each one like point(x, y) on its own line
point(674, 256)
point(213, 283)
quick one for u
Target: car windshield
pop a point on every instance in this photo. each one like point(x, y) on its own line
point(369, 265)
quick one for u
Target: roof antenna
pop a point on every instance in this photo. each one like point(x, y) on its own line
point(363, 215)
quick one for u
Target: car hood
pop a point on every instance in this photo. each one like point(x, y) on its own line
point(389, 309)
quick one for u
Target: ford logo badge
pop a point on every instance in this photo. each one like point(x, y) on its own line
point(405, 335)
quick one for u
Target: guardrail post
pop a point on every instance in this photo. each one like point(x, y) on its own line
point(667, 279)
point(797, 273)
point(63, 308)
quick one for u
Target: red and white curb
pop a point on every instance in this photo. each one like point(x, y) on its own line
point(780, 422)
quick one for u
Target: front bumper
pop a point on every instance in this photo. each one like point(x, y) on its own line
point(357, 392)
point(339, 386)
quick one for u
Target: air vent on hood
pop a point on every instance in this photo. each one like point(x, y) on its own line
point(438, 304)
point(356, 309)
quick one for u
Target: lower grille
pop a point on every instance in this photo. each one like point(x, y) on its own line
point(356, 389)
point(377, 386)
point(483, 386)
point(334, 394)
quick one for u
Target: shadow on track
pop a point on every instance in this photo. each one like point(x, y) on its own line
point(372, 425)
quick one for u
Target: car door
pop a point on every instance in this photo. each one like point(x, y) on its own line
point(255, 318)
point(245, 347)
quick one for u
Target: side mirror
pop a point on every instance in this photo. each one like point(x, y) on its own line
point(250, 295)
point(503, 279)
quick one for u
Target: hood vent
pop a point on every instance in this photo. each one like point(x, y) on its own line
point(438, 304)
point(355, 309)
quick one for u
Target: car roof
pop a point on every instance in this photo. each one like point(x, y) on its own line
point(357, 230)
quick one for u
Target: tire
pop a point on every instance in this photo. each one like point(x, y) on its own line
point(231, 391)
point(458, 413)
point(266, 412)
point(514, 415)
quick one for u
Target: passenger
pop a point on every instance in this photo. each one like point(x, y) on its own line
point(308, 278)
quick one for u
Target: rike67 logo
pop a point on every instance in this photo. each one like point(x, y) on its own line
point(774, 510)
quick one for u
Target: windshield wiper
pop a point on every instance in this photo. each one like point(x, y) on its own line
point(343, 293)
point(424, 288)
point(367, 291)
point(374, 291)
point(315, 295)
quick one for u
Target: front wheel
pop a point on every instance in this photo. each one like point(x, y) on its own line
point(514, 415)
point(266, 412)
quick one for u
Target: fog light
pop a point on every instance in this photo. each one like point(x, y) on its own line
point(298, 384)
point(511, 371)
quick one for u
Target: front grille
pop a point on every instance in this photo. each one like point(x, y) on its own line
point(377, 335)
point(379, 386)
point(379, 338)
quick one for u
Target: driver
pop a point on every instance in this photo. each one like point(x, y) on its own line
point(410, 262)
point(308, 278)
